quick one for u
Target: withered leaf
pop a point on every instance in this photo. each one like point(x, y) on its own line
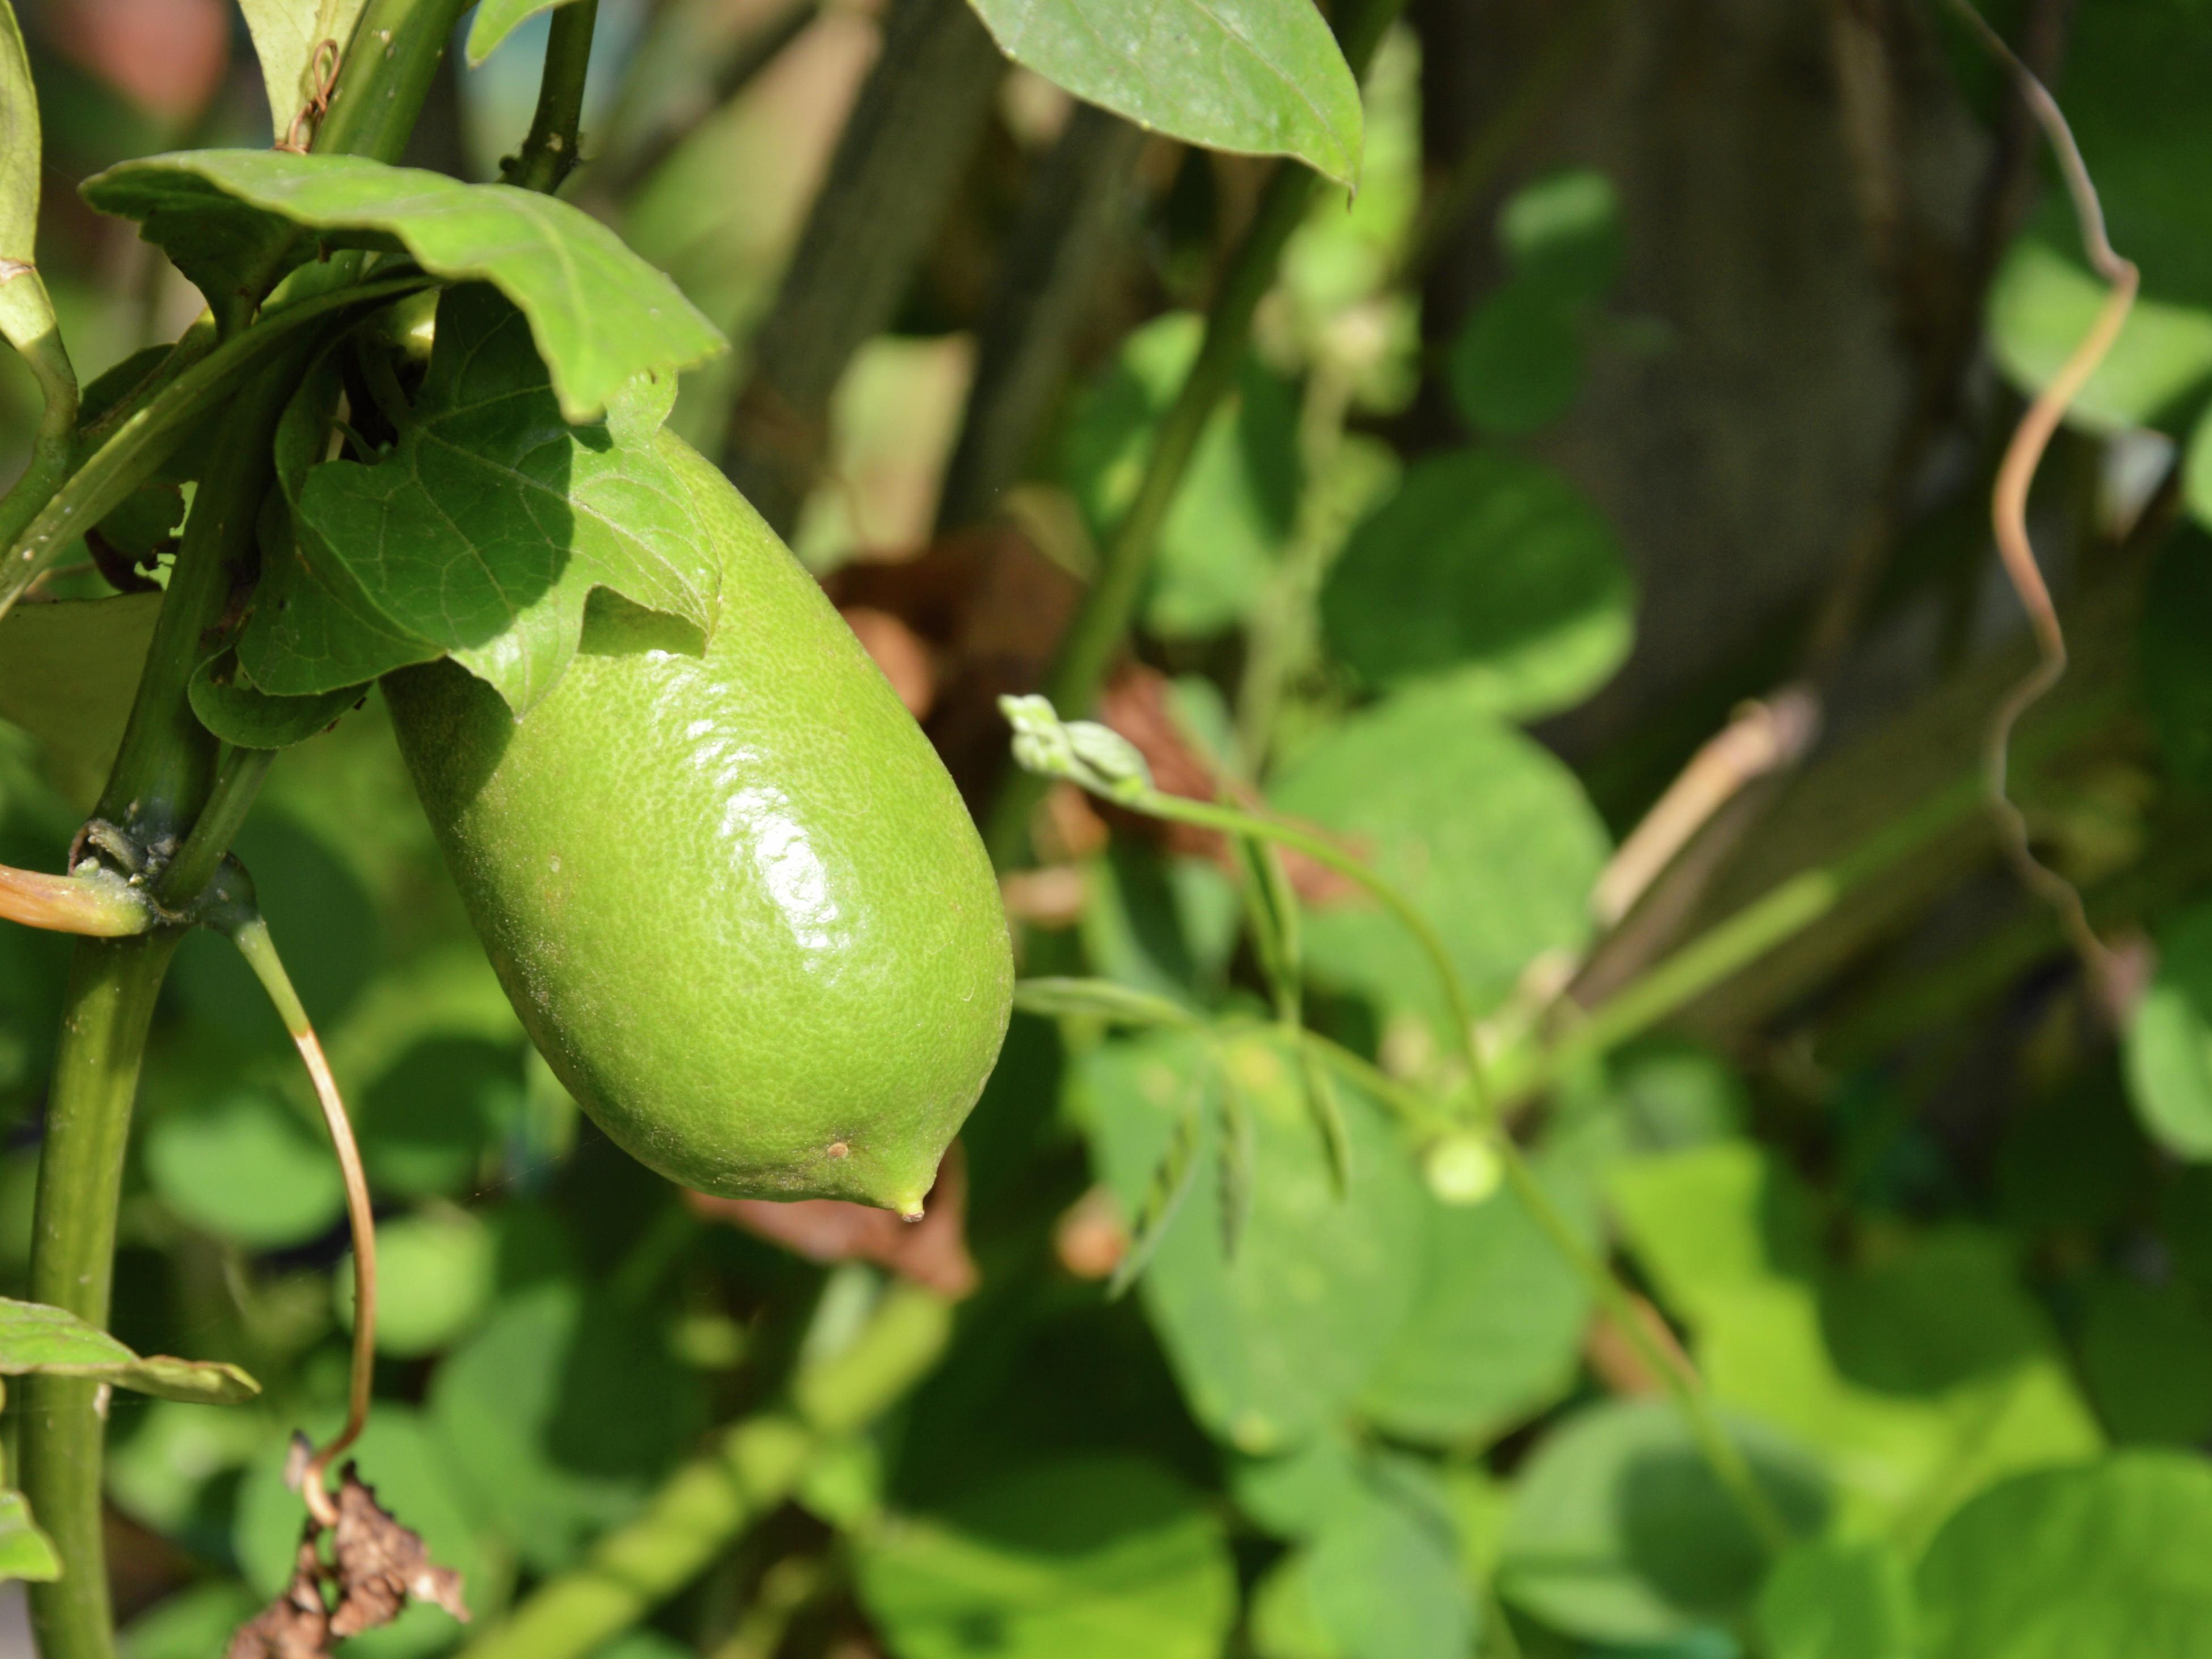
point(380, 1564)
point(296, 1625)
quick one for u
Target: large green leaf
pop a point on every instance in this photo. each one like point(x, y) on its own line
point(25, 1552)
point(1090, 1559)
point(1491, 837)
point(1260, 76)
point(600, 315)
point(54, 1342)
point(486, 528)
point(2043, 301)
point(1277, 1342)
point(1923, 1379)
point(287, 35)
point(2169, 1040)
point(1835, 1601)
point(244, 1167)
point(1491, 568)
point(1620, 1532)
point(1497, 1325)
point(68, 672)
point(1384, 1580)
point(558, 1416)
point(2114, 1558)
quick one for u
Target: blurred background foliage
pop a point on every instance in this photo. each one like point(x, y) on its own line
point(1662, 360)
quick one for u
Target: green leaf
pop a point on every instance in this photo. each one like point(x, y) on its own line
point(436, 1271)
point(1233, 512)
point(1088, 1558)
point(599, 315)
point(489, 526)
point(1518, 365)
point(190, 1624)
point(497, 19)
point(1838, 1601)
point(1922, 1378)
point(1493, 570)
point(244, 1167)
point(2146, 1355)
point(2168, 1045)
point(1384, 1580)
point(1620, 1532)
point(25, 1552)
point(236, 710)
point(558, 1417)
point(1262, 77)
point(1564, 231)
point(2113, 1557)
point(285, 36)
point(1497, 1326)
point(1488, 833)
point(2043, 301)
point(69, 671)
point(54, 1342)
point(1275, 1343)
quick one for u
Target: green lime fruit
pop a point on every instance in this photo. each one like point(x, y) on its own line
point(733, 895)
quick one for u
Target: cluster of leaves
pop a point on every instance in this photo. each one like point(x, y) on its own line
point(1360, 1404)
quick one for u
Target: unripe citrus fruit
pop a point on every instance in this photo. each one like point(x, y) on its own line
point(733, 896)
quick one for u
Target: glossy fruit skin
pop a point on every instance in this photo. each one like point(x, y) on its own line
point(734, 897)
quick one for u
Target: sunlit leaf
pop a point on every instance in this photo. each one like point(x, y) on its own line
point(598, 314)
point(1493, 570)
point(2114, 1557)
point(1491, 837)
point(54, 1342)
point(2041, 304)
point(288, 34)
point(1260, 76)
point(1097, 1559)
point(1275, 1343)
point(2168, 1045)
point(1838, 1601)
point(1384, 1580)
point(487, 527)
point(436, 1275)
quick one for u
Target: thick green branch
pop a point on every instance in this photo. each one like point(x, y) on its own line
point(751, 1467)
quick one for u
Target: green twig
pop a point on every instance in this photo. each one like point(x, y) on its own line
point(549, 153)
point(751, 1468)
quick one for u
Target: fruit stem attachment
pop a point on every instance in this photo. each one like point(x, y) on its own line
point(549, 153)
point(242, 922)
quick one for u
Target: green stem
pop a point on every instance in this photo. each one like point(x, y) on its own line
point(548, 154)
point(1730, 947)
point(140, 443)
point(1209, 815)
point(1110, 605)
point(237, 780)
point(750, 1468)
point(1720, 1449)
point(108, 1005)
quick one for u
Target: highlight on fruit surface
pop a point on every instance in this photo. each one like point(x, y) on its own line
point(731, 893)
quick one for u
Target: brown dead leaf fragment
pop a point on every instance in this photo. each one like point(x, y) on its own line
point(380, 1564)
point(296, 1625)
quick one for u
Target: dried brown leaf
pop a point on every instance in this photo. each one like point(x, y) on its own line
point(381, 1564)
point(296, 1625)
